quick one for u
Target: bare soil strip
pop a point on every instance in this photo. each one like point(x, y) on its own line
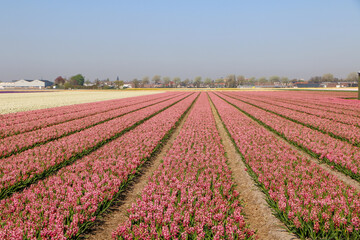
point(341, 176)
point(117, 214)
point(257, 212)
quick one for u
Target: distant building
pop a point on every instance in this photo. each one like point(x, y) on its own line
point(307, 85)
point(24, 83)
point(89, 84)
point(338, 84)
point(246, 86)
point(266, 86)
point(219, 85)
point(329, 84)
point(350, 84)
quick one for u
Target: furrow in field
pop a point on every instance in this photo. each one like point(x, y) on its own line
point(21, 142)
point(191, 195)
point(340, 155)
point(338, 103)
point(21, 170)
point(336, 130)
point(313, 103)
point(310, 201)
point(341, 118)
point(117, 213)
point(67, 203)
point(256, 210)
point(326, 167)
point(343, 177)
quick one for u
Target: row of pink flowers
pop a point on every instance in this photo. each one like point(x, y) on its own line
point(26, 165)
point(191, 194)
point(28, 123)
point(20, 117)
point(25, 140)
point(332, 101)
point(309, 200)
point(321, 145)
point(345, 131)
point(315, 102)
point(323, 113)
point(59, 206)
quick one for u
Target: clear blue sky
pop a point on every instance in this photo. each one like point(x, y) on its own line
point(208, 38)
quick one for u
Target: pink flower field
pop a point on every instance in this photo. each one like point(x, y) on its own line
point(162, 166)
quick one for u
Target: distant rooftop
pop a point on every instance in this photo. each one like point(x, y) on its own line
point(29, 80)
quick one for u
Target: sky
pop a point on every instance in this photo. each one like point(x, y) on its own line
point(207, 38)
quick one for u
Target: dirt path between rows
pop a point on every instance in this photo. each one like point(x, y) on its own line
point(117, 214)
point(341, 176)
point(257, 212)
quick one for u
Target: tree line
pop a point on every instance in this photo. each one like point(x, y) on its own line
point(76, 81)
point(230, 81)
point(328, 77)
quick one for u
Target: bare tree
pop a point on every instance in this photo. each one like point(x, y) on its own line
point(273, 79)
point(177, 81)
point(251, 80)
point(136, 83)
point(231, 81)
point(284, 79)
point(316, 79)
point(208, 82)
point(262, 80)
point(97, 82)
point(119, 83)
point(166, 81)
point(352, 77)
point(197, 82)
point(144, 81)
point(219, 81)
point(156, 79)
point(240, 80)
point(186, 82)
point(328, 77)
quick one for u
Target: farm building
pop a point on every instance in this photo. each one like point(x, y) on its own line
point(23, 83)
point(307, 85)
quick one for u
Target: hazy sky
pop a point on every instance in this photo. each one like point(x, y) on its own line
point(132, 39)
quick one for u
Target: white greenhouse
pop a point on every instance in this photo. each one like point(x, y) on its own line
point(23, 83)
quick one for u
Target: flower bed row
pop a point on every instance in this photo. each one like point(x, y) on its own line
point(191, 194)
point(49, 112)
point(336, 101)
point(339, 154)
point(42, 119)
point(24, 141)
point(65, 204)
point(310, 201)
point(342, 118)
point(31, 115)
point(328, 104)
point(20, 170)
point(337, 130)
